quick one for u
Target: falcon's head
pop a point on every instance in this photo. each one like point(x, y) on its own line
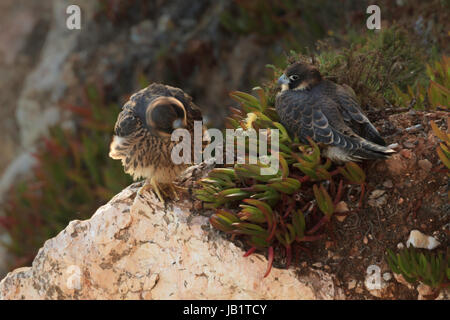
point(299, 76)
point(165, 114)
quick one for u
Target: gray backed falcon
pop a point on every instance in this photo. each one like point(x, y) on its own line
point(142, 139)
point(310, 106)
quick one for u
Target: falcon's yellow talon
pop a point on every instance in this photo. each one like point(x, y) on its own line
point(155, 188)
point(151, 185)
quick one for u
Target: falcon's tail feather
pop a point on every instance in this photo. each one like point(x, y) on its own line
point(370, 133)
point(370, 150)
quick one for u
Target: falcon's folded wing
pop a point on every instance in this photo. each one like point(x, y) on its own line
point(351, 112)
point(320, 119)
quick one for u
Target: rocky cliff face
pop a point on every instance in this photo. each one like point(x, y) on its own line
point(45, 65)
point(134, 248)
point(180, 43)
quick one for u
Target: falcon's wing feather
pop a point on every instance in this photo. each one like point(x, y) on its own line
point(319, 117)
point(330, 128)
point(313, 119)
point(349, 105)
point(126, 122)
point(351, 112)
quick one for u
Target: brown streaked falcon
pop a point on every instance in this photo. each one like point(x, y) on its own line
point(328, 113)
point(143, 131)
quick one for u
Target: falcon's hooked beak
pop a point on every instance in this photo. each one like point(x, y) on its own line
point(284, 82)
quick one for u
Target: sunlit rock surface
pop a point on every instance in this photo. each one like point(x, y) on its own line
point(134, 248)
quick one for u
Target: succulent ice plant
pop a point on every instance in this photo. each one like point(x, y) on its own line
point(429, 268)
point(269, 211)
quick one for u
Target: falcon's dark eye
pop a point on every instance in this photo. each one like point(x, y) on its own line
point(294, 77)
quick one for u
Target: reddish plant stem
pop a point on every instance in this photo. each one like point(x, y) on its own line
point(331, 232)
point(272, 233)
point(299, 178)
point(332, 187)
point(289, 209)
point(311, 238)
point(363, 189)
point(269, 262)
point(335, 172)
point(306, 207)
point(250, 251)
point(266, 215)
point(322, 221)
point(304, 179)
point(339, 192)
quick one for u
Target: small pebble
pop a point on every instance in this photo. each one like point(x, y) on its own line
point(424, 291)
point(414, 128)
point(379, 202)
point(420, 240)
point(341, 207)
point(406, 153)
point(377, 193)
point(388, 184)
point(425, 165)
point(352, 284)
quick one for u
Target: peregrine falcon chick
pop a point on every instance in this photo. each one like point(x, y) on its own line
point(142, 139)
point(310, 106)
